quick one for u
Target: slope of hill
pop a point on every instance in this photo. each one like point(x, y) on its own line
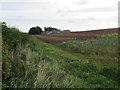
point(32, 63)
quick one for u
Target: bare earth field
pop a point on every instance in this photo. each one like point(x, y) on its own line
point(82, 35)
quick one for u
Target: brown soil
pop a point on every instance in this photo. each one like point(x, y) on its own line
point(81, 35)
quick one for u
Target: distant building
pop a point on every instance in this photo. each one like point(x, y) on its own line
point(51, 32)
point(66, 30)
point(54, 31)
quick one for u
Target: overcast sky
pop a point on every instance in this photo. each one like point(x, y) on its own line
point(75, 15)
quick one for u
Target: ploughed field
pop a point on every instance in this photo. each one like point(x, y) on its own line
point(81, 35)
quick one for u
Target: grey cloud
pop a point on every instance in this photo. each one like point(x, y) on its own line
point(91, 19)
point(81, 19)
point(98, 9)
point(82, 2)
point(20, 5)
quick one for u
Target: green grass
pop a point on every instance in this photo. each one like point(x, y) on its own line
point(36, 64)
point(104, 48)
point(81, 72)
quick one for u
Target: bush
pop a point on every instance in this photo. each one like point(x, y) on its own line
point(12, 42)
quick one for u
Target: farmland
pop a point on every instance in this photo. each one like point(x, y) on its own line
point(83, 35)
point(87, 61)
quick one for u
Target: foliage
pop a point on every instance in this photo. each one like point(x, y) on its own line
point(12, 37)
point(35, 30)
point(50, 29)
point(12, 41)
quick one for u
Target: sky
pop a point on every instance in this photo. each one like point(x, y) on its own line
point(74, 15)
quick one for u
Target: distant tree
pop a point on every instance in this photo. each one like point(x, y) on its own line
point(35, 30)
point(50, 29)
point(45, 29)
point(4, 23)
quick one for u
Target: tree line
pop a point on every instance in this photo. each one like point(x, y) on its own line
point(38, 30)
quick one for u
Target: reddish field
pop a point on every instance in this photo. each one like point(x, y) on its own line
point(61, 37)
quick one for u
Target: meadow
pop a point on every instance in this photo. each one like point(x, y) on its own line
point(31, 63)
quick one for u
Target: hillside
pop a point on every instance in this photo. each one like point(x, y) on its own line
point(32, 63)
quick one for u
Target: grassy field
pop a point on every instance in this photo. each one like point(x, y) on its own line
point(103, 48)
point(32, 63)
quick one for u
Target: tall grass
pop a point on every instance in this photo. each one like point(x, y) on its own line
point(104, 45)
point(103, 49)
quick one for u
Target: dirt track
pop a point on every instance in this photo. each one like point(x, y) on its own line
point(61, 37)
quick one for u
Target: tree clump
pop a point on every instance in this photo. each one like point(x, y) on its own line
point(50, 29)
point(35, 30)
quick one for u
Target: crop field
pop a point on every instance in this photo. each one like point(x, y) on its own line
point(83, 35)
